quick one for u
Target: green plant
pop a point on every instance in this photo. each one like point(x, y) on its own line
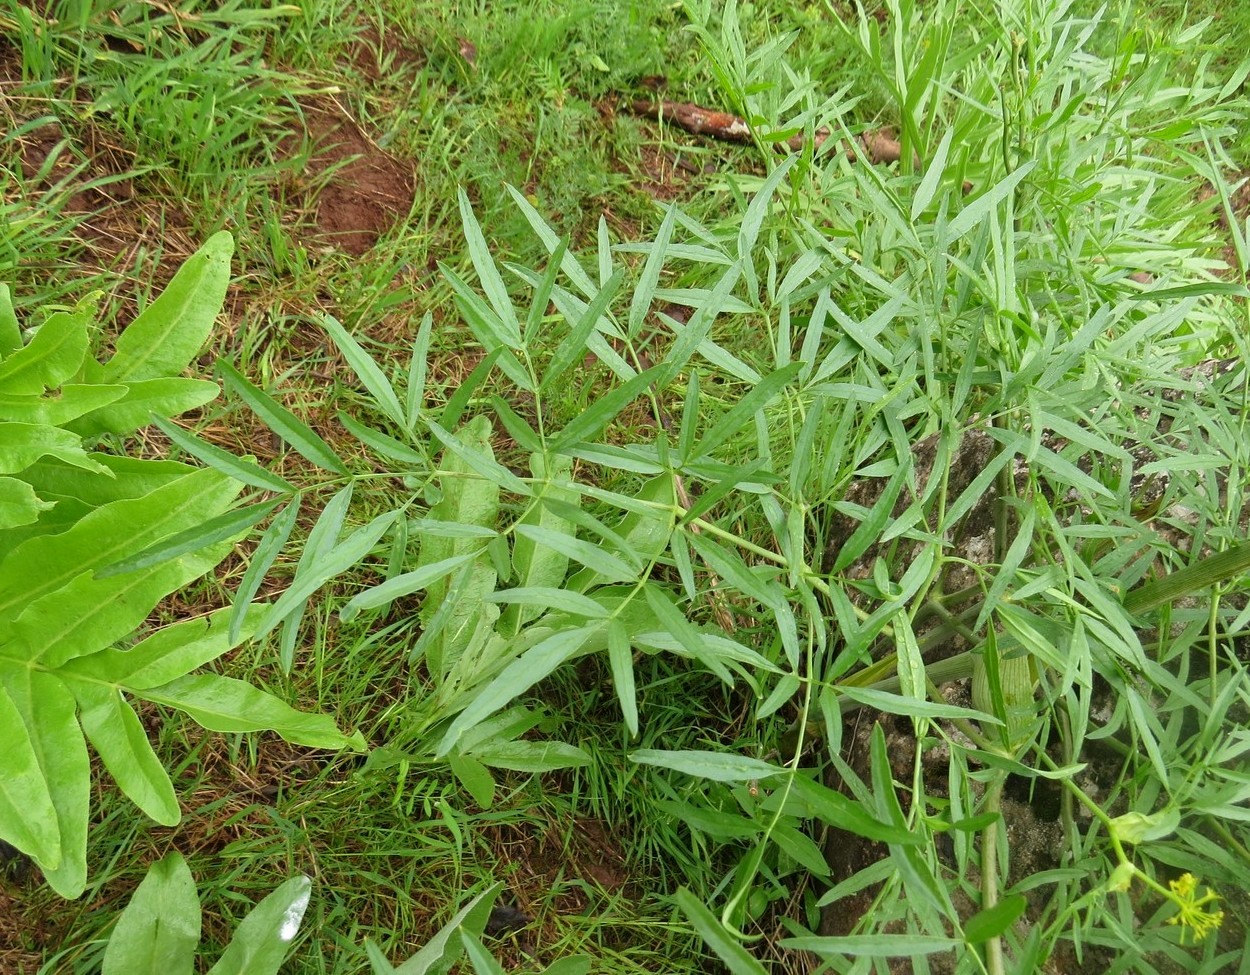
point(90, 542)
point(460, 936)
point(160, 928)
point(1034, 279)
point(168, 83)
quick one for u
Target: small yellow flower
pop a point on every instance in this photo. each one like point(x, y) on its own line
point(1191, 914)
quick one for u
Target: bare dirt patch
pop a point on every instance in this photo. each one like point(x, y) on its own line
point(364, 191)
point(377, 56)
point(554, 868)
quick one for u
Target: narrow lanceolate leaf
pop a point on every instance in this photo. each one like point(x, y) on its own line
point(488, 274)
point(745, 409)
point(366, 370)
point(645, 529)
point(1203, 572)
point(547, 598)
point(993, 921)
point(381, 444)
point(117, 735)
point(984, 205)
point(170, 332)
point(717, 766)
point(283, 422)
point(403, 585)
point(339, 559)
point(414, 395)
point(872, 945)
point(476, 458)
point(226, 527)
point(264, 937)
point(843, 812)
point(573, 348)
point(932, 178)
point(870, 529)
point(159, 930)
point(753, 220)
point(645, 290)
point(266, 554)
point(1192, 291)
point(918, 879)
point(727, 947)
point(518, 428)
point(517, 678)
point(237, 467)
point(622, 663)
point(609, 567)
point(588, 425)
point(225, 704)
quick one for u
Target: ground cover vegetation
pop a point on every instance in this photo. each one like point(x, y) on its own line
point(483, 526)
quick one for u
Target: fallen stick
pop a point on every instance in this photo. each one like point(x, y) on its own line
point(878, 147)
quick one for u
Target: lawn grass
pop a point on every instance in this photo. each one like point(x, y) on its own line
point(333, 141)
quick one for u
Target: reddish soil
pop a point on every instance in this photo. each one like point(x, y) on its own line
point(564, 868)
point(363, 190)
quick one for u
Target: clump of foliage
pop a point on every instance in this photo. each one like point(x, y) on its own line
point(90, 542)
point(691, 509)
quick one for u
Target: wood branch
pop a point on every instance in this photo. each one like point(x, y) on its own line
point(878, 146)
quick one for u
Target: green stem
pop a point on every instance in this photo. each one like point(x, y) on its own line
point(989, 872)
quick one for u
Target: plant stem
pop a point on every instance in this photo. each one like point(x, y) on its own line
point(989, 872)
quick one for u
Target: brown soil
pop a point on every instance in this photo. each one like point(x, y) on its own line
point(377, 56)
point(552, 869)
point(363, 191)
